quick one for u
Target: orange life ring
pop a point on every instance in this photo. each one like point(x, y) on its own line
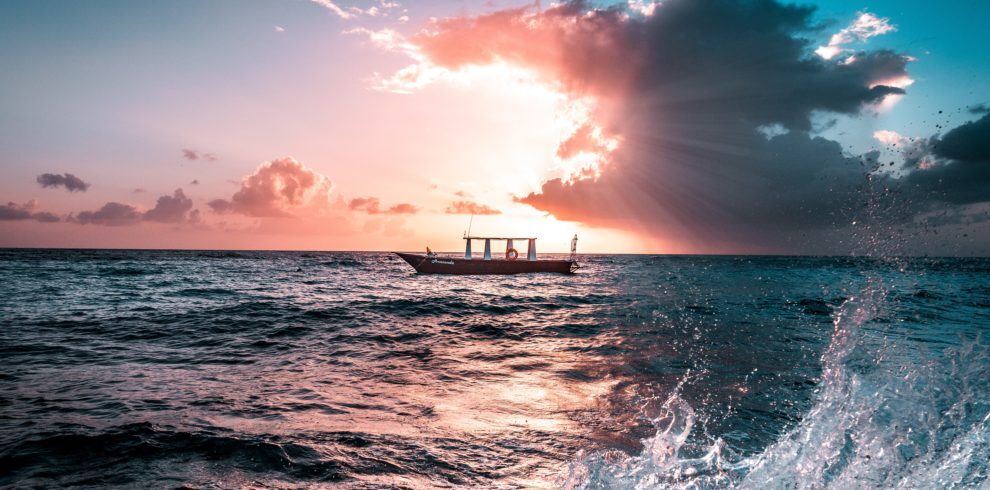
point(511, 254)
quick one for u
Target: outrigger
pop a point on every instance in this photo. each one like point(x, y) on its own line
point(431, 263)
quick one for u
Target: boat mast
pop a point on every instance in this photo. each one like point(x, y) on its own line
point(467, 238)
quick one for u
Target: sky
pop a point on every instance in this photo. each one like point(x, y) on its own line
point(678, 126)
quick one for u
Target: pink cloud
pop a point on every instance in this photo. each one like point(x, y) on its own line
point(887, 137)
point(280, 188)
point(402, 208)
point(469, 207)
point(372, 205)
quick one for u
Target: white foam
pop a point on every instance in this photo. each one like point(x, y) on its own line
point(881, 418)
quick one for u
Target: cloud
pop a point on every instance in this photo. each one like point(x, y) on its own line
point(279, 29)
point(956, 167)
point(682, 94)
point(111, 214)
point(15, 212)
point(282, 187)
point(175, 209)
point(864, 27)
point(469, 207)
point(372, 205)
point(194, 182)
point(339, 12)
point(170, 209)
point(741, 60)
point(402, 208)
point(887, 137)
point(978, 109)
point(969, 142)
point(67, 180)
point(381, 9)
point(191, 155)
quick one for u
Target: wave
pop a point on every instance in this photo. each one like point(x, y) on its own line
point(886, 415)
point(223, 254)
point(342, 262)
point(121, 455)
point(160, 456)
point(127, 271)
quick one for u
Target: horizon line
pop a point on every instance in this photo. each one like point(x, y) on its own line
point(850, 255)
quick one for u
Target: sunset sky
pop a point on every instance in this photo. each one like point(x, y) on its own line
point(681, 126)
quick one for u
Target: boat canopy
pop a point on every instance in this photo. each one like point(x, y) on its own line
point(498, 238)
point(530, 253)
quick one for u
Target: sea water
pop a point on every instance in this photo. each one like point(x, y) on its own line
point(301, 369)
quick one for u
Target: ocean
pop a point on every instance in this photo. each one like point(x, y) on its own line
point(198, 369)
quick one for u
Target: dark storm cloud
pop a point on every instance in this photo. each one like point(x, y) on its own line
point(957, 169)
point(67, 180)
point(978, 109)
point(170, 209)
point(969, 142)
point(688, 90)
point(16, 212)
point(793, 181)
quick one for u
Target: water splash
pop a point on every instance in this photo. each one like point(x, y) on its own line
point(886, 415)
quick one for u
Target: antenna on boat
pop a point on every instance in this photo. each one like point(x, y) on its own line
point(470, 222)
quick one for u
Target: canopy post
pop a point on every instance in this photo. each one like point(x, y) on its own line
point(488, 249)
point(531, 254)
point(467, 249)
point(508, 246)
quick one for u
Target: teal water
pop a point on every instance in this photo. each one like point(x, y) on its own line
point(292, 369)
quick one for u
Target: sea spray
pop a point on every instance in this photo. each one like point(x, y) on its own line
point(887, 414)
point(904, 419)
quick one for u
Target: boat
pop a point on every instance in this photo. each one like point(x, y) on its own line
point(511, 263)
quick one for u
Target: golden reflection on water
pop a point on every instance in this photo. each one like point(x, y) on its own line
point(482, 392)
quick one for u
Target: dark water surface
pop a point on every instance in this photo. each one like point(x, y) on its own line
point(283, 369)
